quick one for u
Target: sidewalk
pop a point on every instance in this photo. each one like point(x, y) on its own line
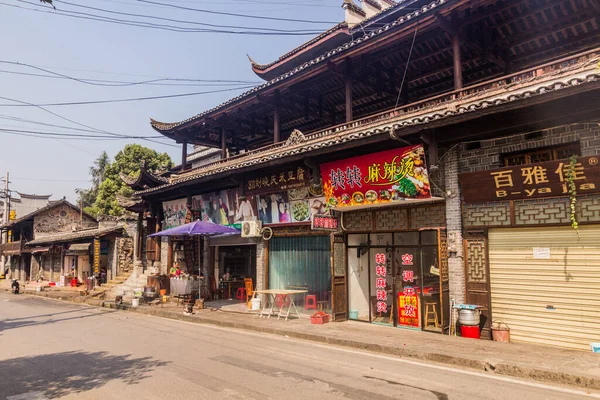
point(541, 363)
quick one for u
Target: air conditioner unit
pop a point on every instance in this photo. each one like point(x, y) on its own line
point(251, 228)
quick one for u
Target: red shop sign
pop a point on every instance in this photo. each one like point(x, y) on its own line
point(377, 178)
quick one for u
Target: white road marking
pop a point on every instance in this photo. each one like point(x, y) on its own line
point(394, 359)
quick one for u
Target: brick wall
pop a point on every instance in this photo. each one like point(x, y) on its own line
point(456, 269)
point(489, 155)
point(396, 218)
point(530, 212)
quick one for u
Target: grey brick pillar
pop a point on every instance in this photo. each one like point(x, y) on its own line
point(456, 267)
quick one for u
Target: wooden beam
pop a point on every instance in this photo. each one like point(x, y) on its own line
point(454, 31)
point(348, 86)
point(276, 125)
point(223, 143)
point(184, 155)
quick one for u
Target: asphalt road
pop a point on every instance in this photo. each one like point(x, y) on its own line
point(50, 349)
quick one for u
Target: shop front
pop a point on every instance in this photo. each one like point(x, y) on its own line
point(394, 279)
point(299, 259)
point(395, 239)
point(532, 254)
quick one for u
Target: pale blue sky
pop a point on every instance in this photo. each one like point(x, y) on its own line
point(79, 47)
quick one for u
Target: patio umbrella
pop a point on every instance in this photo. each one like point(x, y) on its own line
point(198, 228)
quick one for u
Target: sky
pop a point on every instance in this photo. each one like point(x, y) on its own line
point(93, 51)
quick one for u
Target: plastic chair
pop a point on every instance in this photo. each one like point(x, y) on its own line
point(240, 294)
point(311, 302)
point(282, 300)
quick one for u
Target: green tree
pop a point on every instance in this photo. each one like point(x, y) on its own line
point(87, 197)
point(128, 162)
point(98, 170)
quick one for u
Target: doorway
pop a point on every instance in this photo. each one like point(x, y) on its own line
point(395, 279)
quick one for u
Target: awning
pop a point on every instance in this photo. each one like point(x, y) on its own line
point(79, 248)
point(36, 250)
point(11, 252)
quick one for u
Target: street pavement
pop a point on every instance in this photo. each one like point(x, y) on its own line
point(51, 349)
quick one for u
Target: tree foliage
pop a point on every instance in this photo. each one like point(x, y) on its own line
point(106, 175)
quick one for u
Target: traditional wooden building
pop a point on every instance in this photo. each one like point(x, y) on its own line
point(60, 242)
point(504, 92)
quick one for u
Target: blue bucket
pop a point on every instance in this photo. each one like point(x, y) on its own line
point(353, 314)
point(595, 347)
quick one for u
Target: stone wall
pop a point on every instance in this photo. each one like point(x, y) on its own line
point(62, 218)
point(124, 255)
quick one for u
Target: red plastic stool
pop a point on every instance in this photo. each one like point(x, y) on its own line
point(311, 302)
point(241, 294)
point(282, 300)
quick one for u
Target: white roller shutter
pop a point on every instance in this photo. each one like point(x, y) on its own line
point(553, 301)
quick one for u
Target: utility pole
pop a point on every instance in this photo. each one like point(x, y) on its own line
point(5, 220)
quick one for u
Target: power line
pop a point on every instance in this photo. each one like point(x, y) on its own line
point(235, 14)
point(78, 123)
point(94, 17)
point(154, 82)
point(178, 20)
point(48, 180)
point(79, 103)
point(72, 135)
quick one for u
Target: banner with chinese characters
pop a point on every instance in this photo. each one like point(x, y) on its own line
point(96, 256)
point(408, 307)
point(174, 213)
point(547, 179)
point(377, 178)
point(321, 222)
point(278, 181)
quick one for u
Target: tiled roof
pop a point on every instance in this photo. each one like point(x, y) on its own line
point(256, 65)
point(74, 236)
point(361, 41)
point(490, 95)
point(46, 208)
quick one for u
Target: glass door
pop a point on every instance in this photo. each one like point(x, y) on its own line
point(430, 272)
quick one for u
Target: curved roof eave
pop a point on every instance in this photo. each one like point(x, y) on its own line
point(165, 128)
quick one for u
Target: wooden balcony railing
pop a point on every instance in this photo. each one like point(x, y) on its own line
point(11, 249)
point(440, 99)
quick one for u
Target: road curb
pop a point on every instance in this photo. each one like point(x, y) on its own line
point(505, 369)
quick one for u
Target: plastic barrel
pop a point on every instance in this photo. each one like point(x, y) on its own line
point(471, 332)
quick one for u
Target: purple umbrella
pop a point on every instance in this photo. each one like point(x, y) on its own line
point(198, 228)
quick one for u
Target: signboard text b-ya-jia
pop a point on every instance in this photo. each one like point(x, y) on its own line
point(547, 179)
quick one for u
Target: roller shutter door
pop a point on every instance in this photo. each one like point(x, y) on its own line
point(552, 301)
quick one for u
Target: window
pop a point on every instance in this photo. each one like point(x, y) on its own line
point(541, 155)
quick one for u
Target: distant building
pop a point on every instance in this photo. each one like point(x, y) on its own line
point(24, 204)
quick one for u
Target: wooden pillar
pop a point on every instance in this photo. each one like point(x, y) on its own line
point(138, 239)
point(458, 78)
point(276, 127)
point(348, 82)
point(184, 156)
point(223, 143)
point(348, 99)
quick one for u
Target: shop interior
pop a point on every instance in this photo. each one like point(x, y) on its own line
point(237, 269)
point(418, 298)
